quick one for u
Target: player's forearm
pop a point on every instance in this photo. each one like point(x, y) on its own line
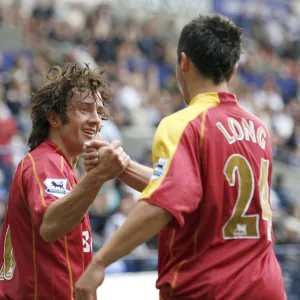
point(63, 215)
point(136, 176)
point(145, 221)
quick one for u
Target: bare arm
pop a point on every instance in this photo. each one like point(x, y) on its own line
point(142, 224)
point(136, 176)
point(66, 213)
point(63, 215)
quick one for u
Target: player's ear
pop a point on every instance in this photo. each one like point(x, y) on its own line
point(53, 119)
point(184, 62)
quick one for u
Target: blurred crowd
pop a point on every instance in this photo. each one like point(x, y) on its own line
point(139, 59)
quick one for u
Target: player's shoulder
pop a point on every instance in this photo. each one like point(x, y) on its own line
point(41, 157)
point(225, 114)
point(247, 115)
point(182, 118)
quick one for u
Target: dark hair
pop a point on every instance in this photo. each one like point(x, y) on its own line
point(54, 94)
point(213, 44)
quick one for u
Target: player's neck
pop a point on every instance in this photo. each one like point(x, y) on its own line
point(71, 157)
point(196, 87)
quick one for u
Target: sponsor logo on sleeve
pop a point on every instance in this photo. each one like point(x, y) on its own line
point(160, 168)
point(56, 187)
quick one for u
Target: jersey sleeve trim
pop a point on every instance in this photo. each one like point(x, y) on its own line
point(62, 163)
point(170, 140)
point(195, 237)
point(34, 260)
point(170, 150)
point(38, 180)
point(202, 135)
point(168, 136)
point(21, 183)
point(202, 132)
point(68, 266)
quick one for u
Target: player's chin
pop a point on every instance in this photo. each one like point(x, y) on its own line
point(80, 143)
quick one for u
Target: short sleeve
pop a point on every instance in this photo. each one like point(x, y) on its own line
point(44, 181)
point(176, 183)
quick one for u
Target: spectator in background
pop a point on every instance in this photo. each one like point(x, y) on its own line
point(282, 193)
point(3, 198)
point(140, 258)
point(44, 10)
point(104, 206)
point(8, 127)
point(268, 97)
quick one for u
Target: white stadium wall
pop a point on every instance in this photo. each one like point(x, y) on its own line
point(133, 286)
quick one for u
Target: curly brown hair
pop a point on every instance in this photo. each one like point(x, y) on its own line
point(54, 94)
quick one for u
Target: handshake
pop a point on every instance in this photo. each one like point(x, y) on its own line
point(106, 159)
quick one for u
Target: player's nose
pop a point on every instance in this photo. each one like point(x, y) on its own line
point(95, 119)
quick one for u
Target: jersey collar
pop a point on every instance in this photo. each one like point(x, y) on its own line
point(57, 149)
point(216, 98)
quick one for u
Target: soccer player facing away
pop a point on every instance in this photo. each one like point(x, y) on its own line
point(46, 240)
point(208, 196)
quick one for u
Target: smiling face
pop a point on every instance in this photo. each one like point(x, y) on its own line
point(84, 113)
point(68, 107)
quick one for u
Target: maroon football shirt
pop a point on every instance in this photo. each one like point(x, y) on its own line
point(213, 166)
point(31, 268)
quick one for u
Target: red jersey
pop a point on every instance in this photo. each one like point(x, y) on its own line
point(213, 166)
point(32, 268)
